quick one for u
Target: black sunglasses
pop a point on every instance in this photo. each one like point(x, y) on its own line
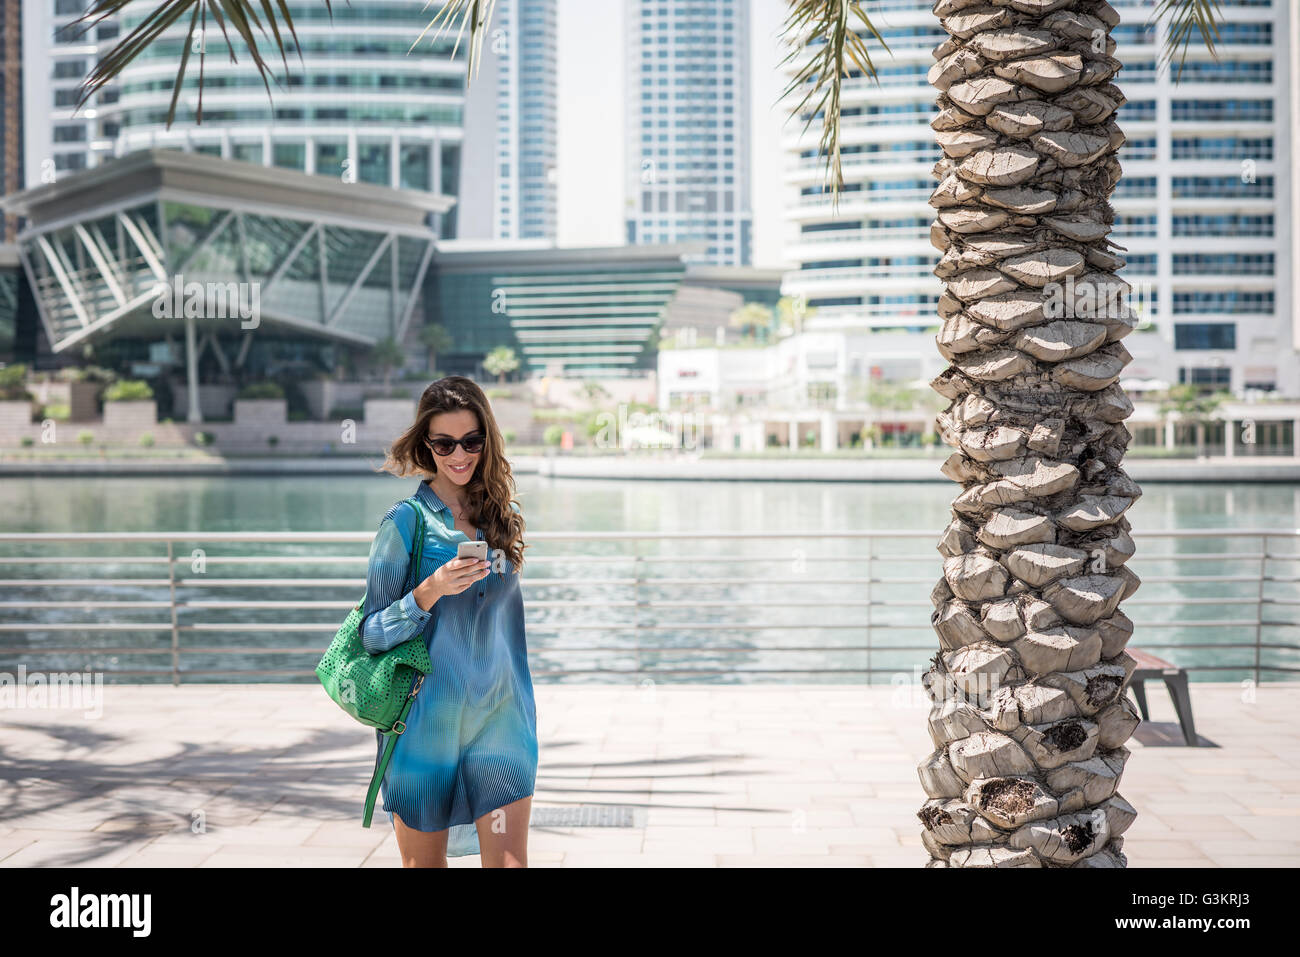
point(472, 444)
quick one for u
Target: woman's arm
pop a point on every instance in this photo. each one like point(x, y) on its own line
point(390, 614)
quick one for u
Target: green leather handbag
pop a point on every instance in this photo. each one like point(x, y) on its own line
point(377, 690)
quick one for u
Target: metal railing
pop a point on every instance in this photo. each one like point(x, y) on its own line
point(857, 620)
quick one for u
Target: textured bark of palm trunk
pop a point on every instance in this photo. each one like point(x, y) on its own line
point(1029, 716)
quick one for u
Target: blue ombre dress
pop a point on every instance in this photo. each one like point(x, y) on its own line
point(470, 744)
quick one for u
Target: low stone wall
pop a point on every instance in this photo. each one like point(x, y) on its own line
point(141, 415)
point(261, 413)
point(214, 400)
point(306, 437)
point(393, 416)
point(79, 397)
point(15, 417)
point(516, 415)
point(256, 422)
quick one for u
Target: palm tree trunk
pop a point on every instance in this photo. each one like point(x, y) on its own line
point(1030, 714)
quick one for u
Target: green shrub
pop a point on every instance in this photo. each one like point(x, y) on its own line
point(96, 374)
point(28, 441)
point(85, 374)
point(58, 411)
point(556, 415)
point(497, 393)
point(146, 439)
point(85, 436)
point(261, 390)
point(273, 440)
point(204, 438)
point(553, 435)
point(12, 383)
point(509, 435)
point(128, 390)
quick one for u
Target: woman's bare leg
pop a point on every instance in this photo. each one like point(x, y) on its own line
point(503, 834)
point(420, 848)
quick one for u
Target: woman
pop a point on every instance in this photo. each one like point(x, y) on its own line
point(461, 777)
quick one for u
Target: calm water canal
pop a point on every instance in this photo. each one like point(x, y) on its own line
point(786, 612)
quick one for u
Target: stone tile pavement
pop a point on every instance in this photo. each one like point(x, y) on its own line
point(716, 776)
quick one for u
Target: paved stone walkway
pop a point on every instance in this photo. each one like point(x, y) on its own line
point(716, 776)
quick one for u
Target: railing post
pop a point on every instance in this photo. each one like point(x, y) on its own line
point(171, 588)
point(1259, 604)
point(636, 607)
point(870, 551)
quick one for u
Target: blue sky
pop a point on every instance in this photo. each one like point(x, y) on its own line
point(590, 119)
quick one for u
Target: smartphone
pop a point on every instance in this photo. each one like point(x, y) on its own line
point(472, 550)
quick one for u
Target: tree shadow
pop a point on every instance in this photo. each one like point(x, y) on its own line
point(1168, 734)
point(321, 778)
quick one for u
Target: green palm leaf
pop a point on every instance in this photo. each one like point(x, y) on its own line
point(1186, 15)
point(241, 14)
point(474, 14)
point(828, 21)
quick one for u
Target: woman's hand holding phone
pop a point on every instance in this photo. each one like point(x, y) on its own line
point(451, 578)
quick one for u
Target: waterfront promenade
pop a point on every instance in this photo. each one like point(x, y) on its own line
point(702, 776)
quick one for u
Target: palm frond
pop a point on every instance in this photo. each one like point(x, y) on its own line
point(842, 44)
point(475, 15)
point(241, 14)
point(1186, 15)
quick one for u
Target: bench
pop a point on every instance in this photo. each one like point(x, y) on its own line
point(1175, 679)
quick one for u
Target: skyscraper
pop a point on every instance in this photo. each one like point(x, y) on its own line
point(11, 127)
point(56, 57)
point(869, 263)
point(508, 173)
point(688, 126)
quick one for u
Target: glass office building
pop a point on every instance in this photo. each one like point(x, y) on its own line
point(507, 188)
point(226, 269)
point(1204, 209)
point(687, 133)
point(160, 258)
point(358, 107)
point(565, 312)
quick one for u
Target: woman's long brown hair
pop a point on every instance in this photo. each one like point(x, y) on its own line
point(490, 489)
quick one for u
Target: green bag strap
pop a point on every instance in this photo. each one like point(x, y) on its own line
point(399, 725)
point(391, 737)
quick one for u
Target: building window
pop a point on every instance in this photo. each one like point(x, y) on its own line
point(1223, 300)
point(1208, 379)
point(1205, 335)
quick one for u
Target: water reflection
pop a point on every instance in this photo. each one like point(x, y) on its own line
point(785, 609)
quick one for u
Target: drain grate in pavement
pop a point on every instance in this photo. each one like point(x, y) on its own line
point(603, 815)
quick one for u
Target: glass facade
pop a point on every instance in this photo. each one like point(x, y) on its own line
point(307, 279)
point(1195, 211)
point(687, 132)
point(361, 106)
point(598, 316)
